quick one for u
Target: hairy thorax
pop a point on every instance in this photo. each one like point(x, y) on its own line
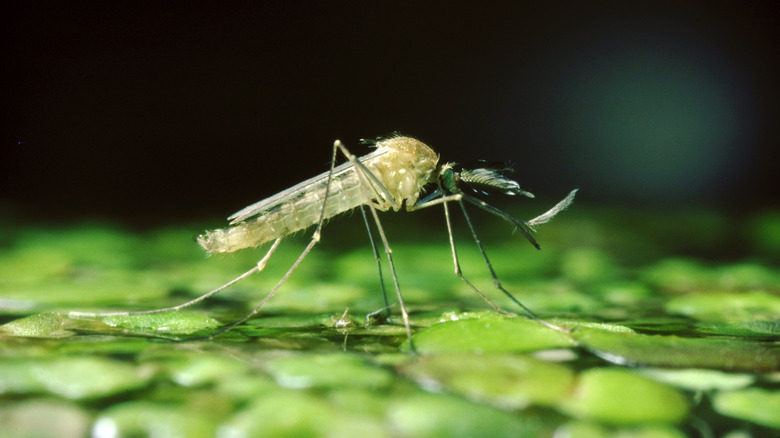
point(403, 165)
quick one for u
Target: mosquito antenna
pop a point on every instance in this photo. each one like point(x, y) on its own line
point(559, 207)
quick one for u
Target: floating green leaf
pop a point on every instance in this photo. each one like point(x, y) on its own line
point(203, 369)
point(166, 322)
point(681, 352)
point(285, 413)
point(618, 396)
point(698, 379)
point(489, 334)
point(342, 370)
point(727, 306)
point(433, 415)
point(506, 381)
point(745, 329)
point(73, 378)
point(39, 325)
point(153, 419)
point(753, 404)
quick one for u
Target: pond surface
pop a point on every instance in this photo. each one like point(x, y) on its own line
point(672, 326)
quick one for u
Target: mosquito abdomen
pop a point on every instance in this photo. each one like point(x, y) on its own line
point(288, 218)
point(402, 165)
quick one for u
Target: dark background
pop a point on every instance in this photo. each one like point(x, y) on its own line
point(157, 111)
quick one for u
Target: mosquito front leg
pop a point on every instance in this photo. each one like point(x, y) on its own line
point(444, 201)
point(497, 282)
point(458, 197)
point(458, 271)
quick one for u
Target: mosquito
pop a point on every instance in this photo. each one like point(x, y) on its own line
point(393, 176)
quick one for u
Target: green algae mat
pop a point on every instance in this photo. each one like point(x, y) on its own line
point(672, 329)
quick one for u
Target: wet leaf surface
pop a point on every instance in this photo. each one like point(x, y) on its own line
point(618, 396)
point(167, 322)
point(681, 352)
point(668, 332)
point(42, 324)
point(488, 333)
point(506, 381)
point(758, 405)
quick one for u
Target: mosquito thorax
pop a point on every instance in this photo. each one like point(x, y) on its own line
point(405, 169)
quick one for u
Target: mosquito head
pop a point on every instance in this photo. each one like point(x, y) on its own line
point(480, 180)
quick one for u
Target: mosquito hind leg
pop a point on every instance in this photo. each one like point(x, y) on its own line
point(315, 238)
point(257, 268)
point(362, 173)
point(260, 265)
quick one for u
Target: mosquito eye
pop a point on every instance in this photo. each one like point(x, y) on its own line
point(447, 179)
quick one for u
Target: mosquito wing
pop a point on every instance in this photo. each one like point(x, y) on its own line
point(296, 191)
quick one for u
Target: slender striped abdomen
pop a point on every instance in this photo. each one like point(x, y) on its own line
point(402, 164)
point(288, 218)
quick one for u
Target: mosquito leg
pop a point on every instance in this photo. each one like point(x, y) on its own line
point(458, 271)
point(257, 268)
point(361, 172)
point(444, 200)
point(315, 238)
point(386, 309)
point(497, 282)
point(388, 251)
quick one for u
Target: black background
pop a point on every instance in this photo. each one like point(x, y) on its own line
point(156, 111)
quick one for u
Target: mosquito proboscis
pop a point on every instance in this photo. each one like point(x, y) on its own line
point(401, 172)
